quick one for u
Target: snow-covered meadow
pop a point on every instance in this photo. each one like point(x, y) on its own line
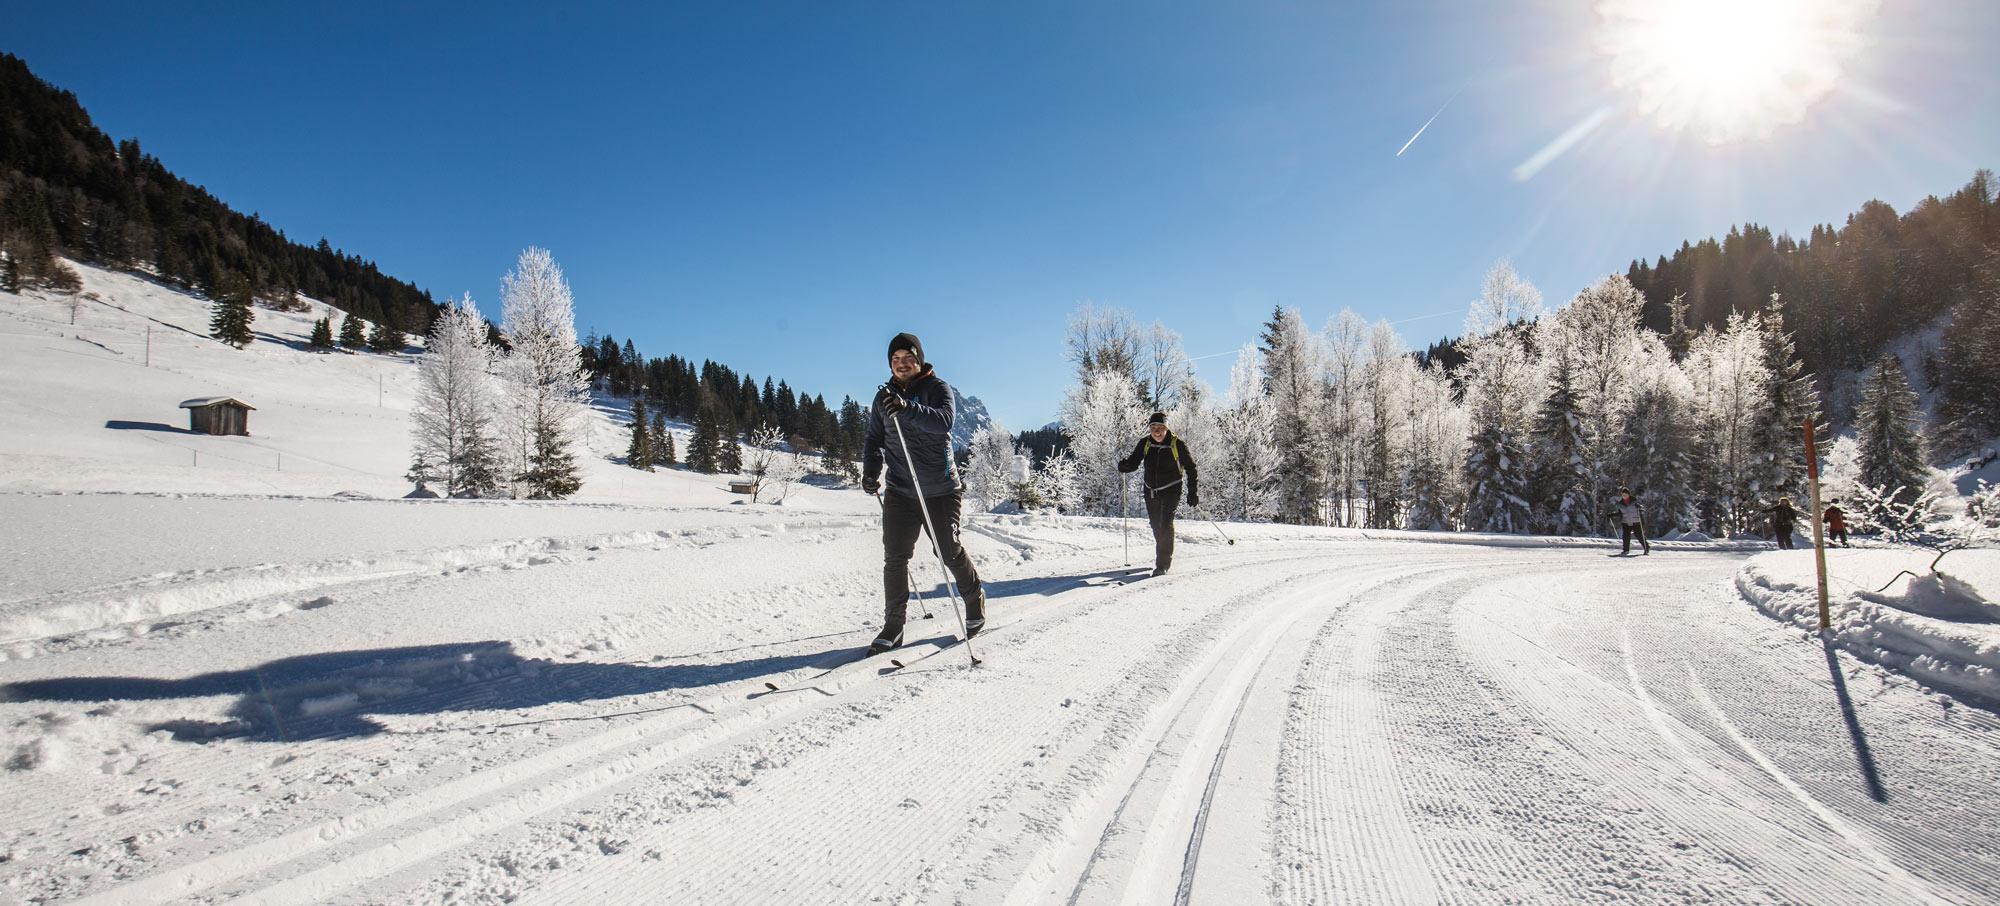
point(281, 682)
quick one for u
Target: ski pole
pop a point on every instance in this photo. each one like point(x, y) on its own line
point(1218, 526)
point(924, 507)
point(906, 573)
point(1124, 521)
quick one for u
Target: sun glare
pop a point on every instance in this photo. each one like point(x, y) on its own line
point(1730, 70)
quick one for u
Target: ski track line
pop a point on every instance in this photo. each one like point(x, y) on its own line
point(1504, 810)
point(1827, 816)
point(1093, 826)
point(722, 721)
point(1333, 841)
point(643, 834)
point(1728, 818)
point(286, 847)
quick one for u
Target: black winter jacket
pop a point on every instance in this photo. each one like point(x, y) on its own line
point(930, 406)
point(1165, 464)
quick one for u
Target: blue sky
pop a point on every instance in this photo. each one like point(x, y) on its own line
point(784, 186)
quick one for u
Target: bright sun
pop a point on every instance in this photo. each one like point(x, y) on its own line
point(1729, 70)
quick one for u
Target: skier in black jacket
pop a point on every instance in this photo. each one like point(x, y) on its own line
point(1169, 467)
point(1782, 518)
point(924, 405)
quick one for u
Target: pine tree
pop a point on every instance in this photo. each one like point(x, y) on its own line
point(386, 337)
point(10, 272)
point(230, 321)
point(322, 335)
point(552, 473)
point(1777, 444)
point(705, 448)
point(639, 453)
point(1891, 448)
point(1565, 508)
point(730, 457)
point(351, 336)
point(1292, 376)
point(1657, 458)
point(663, 441)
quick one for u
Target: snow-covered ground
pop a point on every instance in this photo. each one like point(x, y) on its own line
point(221, 683)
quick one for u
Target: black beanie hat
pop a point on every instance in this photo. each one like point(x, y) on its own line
point(910, 342)
point(1159, 418)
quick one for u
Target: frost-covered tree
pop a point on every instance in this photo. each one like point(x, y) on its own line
point(1432, 485)
point(1601, 328)
point(1292, 376)
point(1657, 456)
point(1163, 368)
point(639, 451)
point(1383, 378)
point(1777, 443)
point(543, 374)
point(452, 417)
point(1338, 413)
point(989, 469)
point(1726, 370)
point(1059, 482)
point(1503, 389)
point(1559, 491)
point(1102, 340)
point(1240, 478)
point(230, 316)
point(1892, 447)
point(1103, 418)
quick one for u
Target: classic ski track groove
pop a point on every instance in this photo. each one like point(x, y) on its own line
point(721, 715)
point(716, 780)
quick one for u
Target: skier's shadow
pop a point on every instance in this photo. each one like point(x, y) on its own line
point(331, 695)
point(1040, 586)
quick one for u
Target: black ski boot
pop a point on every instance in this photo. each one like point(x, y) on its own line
point(890, 637)
point(975, 612)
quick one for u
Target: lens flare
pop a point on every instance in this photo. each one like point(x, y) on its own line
point(1730, 70)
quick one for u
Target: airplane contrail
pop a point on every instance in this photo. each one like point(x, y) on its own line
point(1427, 124)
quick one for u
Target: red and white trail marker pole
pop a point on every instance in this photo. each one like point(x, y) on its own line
point(1818, 518)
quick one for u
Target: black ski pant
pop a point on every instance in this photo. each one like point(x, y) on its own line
point(902, 522)
point(1636, 530)
point(1160, 506)
point(1837, 533)
point(1784, 533)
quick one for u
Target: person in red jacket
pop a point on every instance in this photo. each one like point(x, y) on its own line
point(1836, 523)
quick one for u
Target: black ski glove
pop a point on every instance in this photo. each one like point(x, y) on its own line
point(872, 485)
point(889, 401)
point(1194, 499)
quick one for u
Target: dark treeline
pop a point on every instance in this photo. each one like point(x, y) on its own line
point(735, 403)
point(66, 188)
point(1848, 291)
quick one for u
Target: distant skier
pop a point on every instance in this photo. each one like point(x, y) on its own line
point(1836, 524)
point(1633, 523)
point(1783, 517)
point(1169, 466)
point(924, 405)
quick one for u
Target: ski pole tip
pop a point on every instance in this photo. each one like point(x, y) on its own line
point(771, 686)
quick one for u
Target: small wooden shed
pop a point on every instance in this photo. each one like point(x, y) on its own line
point(218, 415)
point(743, 486)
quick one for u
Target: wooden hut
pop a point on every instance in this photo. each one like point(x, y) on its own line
point(742, 485)
point(218, 415)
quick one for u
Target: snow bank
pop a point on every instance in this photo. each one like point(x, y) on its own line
point(1941, 629)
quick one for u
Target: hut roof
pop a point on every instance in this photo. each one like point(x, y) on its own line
point(213, 401)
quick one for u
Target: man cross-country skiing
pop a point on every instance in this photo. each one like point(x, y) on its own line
point(1633, 523)
point(1168, 468)
point(924, 405)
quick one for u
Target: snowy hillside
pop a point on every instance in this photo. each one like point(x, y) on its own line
point(93, 406)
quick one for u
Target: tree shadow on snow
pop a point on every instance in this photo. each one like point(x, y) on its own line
point(1863, 755)
point(331, 695)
